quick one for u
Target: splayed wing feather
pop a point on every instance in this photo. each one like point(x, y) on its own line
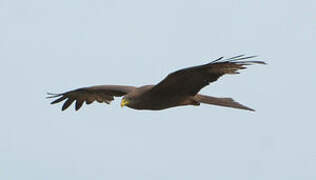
point(68, 103)
point(59, 99)
point(79, 103)
point(236, 57)
point(89, 100)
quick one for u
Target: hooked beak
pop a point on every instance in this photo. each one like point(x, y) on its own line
point(124, 102)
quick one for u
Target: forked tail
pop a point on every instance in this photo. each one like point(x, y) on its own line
point(227, 102)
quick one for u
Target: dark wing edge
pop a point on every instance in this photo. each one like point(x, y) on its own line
point(101, 94)
point(231, 65)
point(236, 60)
point(189, 81)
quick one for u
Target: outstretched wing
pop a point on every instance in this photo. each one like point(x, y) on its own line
point(190, 81)
point(105, 93)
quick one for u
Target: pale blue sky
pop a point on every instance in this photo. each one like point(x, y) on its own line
point(61, 45)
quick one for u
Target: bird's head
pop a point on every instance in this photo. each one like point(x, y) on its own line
point(129, 101)
point(125, 101)
point(135, 98)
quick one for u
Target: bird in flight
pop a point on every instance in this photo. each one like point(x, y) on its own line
point(179, 88)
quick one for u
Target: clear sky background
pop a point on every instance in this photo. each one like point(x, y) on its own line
point(55, 46)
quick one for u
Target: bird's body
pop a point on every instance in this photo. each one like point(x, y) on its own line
point(156, 103)
point(177, 89)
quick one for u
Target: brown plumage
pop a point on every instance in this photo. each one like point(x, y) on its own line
point(177, 89)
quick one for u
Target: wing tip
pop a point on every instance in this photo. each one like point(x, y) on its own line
point(52, 95)
point(237, 59)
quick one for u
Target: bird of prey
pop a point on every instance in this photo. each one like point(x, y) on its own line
point(177, 89)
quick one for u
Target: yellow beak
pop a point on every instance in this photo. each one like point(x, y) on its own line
point(124, 102)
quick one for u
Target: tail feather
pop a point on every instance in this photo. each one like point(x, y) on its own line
point(226, 102)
